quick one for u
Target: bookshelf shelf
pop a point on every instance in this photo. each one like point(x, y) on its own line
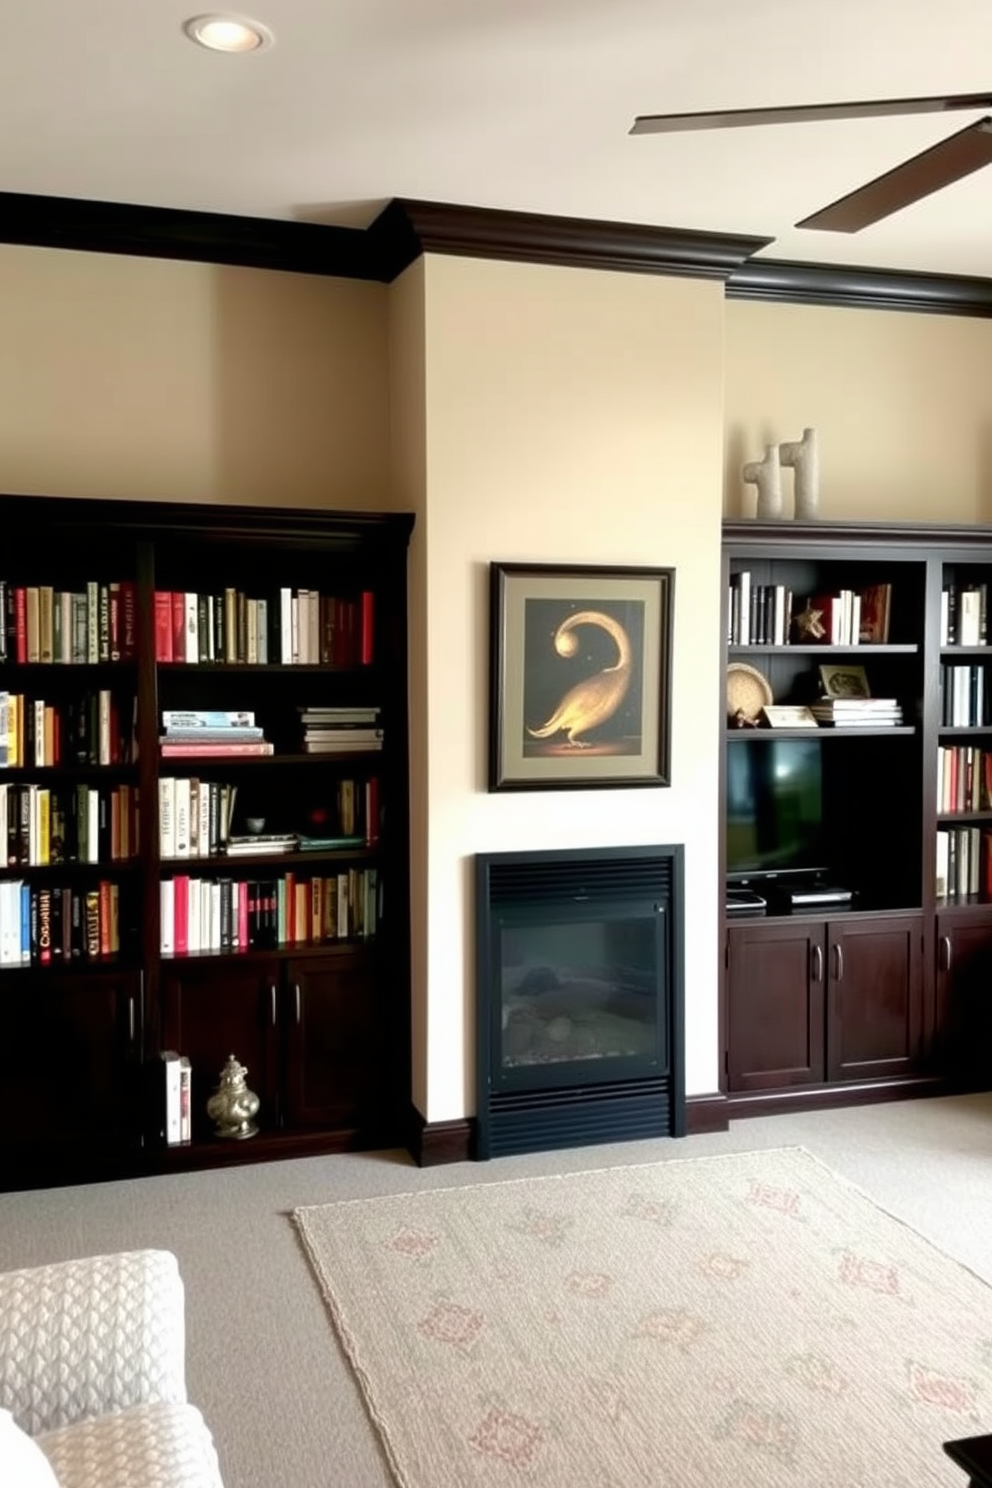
point(322, 1018)
point(793, 649)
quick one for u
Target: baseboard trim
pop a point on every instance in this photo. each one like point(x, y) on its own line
point(827, 1098)
point(706, 1113)
point(432, 1143)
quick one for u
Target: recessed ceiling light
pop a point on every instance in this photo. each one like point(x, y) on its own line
point(227, 33)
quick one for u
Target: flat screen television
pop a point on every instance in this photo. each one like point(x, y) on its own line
point(774, 808)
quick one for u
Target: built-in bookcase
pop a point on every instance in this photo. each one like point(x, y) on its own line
point(203, 796)
point(883, 976)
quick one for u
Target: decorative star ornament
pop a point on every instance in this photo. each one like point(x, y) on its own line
point(807, 624)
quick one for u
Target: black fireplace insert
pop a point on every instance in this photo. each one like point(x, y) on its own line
point(579, 997)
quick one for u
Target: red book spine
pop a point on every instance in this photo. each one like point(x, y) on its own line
point(180, 889)
point(242, 888)
point(368, 627)
point(178, 623)
point(21, 624)
point(163, 625)
point(105, 947)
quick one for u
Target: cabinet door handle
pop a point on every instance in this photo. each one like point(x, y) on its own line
point(838, 964)
point(296, 997)
point(272, 1002)
point(945, 957)
point(816, 970)
point(130, 1019)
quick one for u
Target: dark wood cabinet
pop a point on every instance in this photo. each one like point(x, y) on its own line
point(874, 988)
point(814, 1001)
point(962, 1040)
point(121, 623)
point(775, 1004)
point(69, 1072)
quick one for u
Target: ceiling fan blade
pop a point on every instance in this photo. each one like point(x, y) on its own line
point(805, 113)
point(951, 160)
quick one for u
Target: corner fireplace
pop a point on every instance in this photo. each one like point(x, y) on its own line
point(579, 997)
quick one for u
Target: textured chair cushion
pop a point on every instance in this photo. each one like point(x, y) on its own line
point(22, 1462)
point(81, 1338)
point(148, 1446)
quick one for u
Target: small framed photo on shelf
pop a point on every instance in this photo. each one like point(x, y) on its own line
point(580, 677)
point(786, 715)
point(844, 681)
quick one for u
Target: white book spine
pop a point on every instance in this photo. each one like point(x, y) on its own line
point(167, 938)
point(263, 631)
point(171, 1070)
point(285, 626)
point(203, 837)
point(192, 628)
point(167, 816)
point(92, 622)
point(181, 817)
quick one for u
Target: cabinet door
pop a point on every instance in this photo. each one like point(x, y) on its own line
point(335, 1043)
point(775, 1001)
point(68, 1067)
point(963, 1034)
point(211, 1011)
point(874, 997)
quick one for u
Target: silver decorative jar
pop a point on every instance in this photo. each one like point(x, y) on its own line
point(233, 1106)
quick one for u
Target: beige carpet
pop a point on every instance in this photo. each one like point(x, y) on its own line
point(749, 1319)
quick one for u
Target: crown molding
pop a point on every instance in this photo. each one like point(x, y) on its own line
point(856, 288)
point(201, 237)
point(405, 229)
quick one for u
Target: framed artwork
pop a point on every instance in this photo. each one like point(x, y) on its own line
point(787, 715)
point(580, 667)
point(844, 681)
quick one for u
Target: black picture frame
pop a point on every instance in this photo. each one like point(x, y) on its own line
point(606, 680)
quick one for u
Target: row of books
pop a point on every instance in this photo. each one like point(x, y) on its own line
point(97, 728)
point(234, 915)
point(340, 730)
point(964, 778)
point(857, 712)
point(964, 863)
point(52, 924)
point(39, 623)
point(964, 615)
point(290, 627)
point(208, 734)
point(965, 700)
point(194, 816)
point(79, 823)
point(764, 615)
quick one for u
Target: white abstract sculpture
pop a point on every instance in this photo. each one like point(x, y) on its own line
point(766, 474)
point(803, 455)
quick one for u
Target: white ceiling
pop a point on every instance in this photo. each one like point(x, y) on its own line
point(516, 104)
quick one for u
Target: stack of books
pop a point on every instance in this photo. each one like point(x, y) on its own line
point(207, 734)
point(857, 712)
point(340, 730)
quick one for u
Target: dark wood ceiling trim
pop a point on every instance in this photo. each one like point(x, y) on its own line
point(407, 228)
point(202, 237)
point(860, 289)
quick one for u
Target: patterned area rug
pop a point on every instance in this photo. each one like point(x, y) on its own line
point(748, 1320)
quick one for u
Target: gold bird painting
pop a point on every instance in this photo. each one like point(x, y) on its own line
point(594, 700)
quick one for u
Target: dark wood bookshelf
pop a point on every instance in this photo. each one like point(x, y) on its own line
point(888, 991)
point(323, 1027)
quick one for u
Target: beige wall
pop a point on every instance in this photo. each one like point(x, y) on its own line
point(147, 379)
point(525, 414)
point(902, 404)
point(575, 417)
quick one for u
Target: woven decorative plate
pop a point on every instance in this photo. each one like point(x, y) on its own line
point(748, 691)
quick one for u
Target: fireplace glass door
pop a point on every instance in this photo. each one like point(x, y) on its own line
point(578, 990)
